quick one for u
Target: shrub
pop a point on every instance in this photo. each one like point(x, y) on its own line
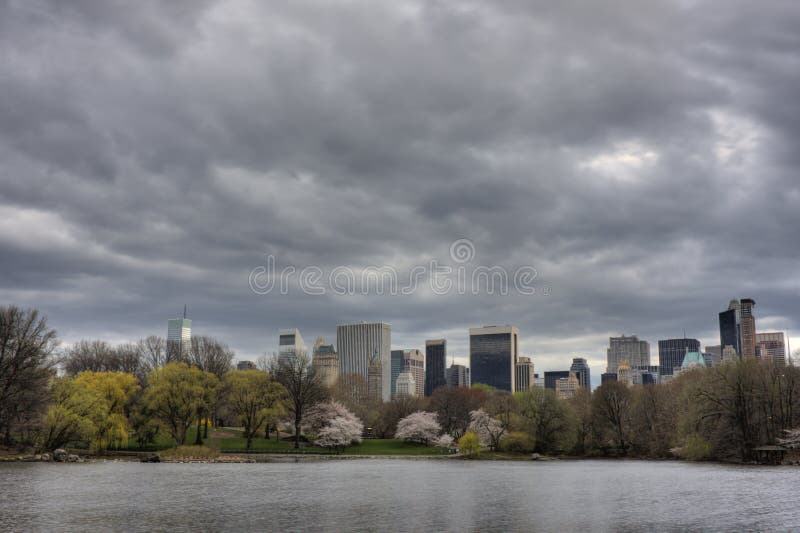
point(696, 448)
point(517, 442)
point(470, 444)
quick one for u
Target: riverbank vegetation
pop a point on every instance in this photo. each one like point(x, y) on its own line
point(143, 396)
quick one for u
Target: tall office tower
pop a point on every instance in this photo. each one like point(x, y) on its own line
point(326, 362)
point(411, 361)
point(435, 365)
point(630, 349)
point(375, 378)
point(730, 327)
point(458, 376)
point(524, 377)
point(567, 387)
point(772, 347)
point(493, 356)
point(179, 337)
point(406, 386)
point(551, 377)
point(290, 344)
point(748, 329)
point(538, 381)
point(713, 355)
point(645, 375)
point(671, 353)
point(357, 343)
point(581, 369)
point(729, 354)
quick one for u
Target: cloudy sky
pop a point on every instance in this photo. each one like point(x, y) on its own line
point(641, 156)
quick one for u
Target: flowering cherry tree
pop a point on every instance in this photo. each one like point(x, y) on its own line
point(321, 415)
point(340, 432)
point(421, 427)
point(489, 429)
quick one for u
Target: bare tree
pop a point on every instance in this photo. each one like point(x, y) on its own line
point(90, 356)
point(26, 347)
point(303, 386)
point(154, 352)
point(209, 355)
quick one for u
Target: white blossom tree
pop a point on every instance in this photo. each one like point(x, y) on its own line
point(421, 427)
point(489, 430)
point(444, 441)
point(792, 439)
point(340, 432)
point(320, 416)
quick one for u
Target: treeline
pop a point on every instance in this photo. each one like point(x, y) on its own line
point(110, 396)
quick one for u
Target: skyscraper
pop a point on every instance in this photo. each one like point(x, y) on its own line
point(748, 329)
point(630, 349)
point(552, 376)
point(771, 347)
point(671, 353)
point(493, 356)
point(435, 364)
point(581, 369)
point(729, 327)
point(524, 377)
point(408, 361)
point(375, 378)
point(326, 362)
point(357, 343)
point(179, 337)
point(290, 344)
point(458, 376)
point(567, 387)
point(406, 386)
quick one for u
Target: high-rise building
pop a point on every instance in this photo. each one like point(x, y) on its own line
point(538, 380)
point(458, 376)
point(730, 327)
point(375, 378)
point(630, 349)
point(624, 373)
point(581, 369)
point(408, 361)
point(290, 344)
point(179, 337)
point(608, 377)
point(524, 377)
point(671, 353)
point(771, 347)
point(406, 386)
point(493, 356)
point(357, 343)
point(567, 387)
point(326, 362)
point(435, 365)
point(748, 329)
point(551, 377)
point(713, 355)
point(645, 375)
point(245, 365)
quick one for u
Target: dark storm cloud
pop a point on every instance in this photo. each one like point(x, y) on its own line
point(642, 156)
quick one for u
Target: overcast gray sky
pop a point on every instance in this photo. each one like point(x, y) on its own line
point(642, 156)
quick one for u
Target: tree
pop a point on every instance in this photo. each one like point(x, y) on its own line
point(419, 427)
point(154, 352)
point(209, 355)
point(26, 366)
point(489, 430)
point(444, 441)
point(90, 356)
point(453, 405)
point(113, 392)
point(546, 419)
point(469, 444)
point(175, 394)
point(251, 395)
point(72, 415)
point(611, 409)
point(303, 386)
point(320, 416)
point(340, 432)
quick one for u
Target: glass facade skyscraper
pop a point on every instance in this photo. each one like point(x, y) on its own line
point(493, 356)
point(581, 369)
point(671, 353)
point(435, 365)
point(357, 344)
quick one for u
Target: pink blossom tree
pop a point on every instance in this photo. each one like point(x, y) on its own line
point(340, 432)
point(421, 427)
point(489, 430)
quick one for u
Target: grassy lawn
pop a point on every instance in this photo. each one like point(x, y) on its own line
point(232, 440)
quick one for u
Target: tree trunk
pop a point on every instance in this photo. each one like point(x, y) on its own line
point(198, 440)
point(266, 431)
point(205, 428)
point(297, 432)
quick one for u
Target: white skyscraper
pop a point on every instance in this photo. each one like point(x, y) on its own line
point(357, 343)
point(179, 337)
point(290, 343)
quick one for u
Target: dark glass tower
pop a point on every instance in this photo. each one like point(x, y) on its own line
point(493, 356)
point(581, 368)
point(550, 378)
point(729, 330)
point(671, 353)
point(435, 365)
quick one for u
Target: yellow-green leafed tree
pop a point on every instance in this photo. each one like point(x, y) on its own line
point(114, 391)
point(253, 396)
point(469, 444)
point(72, 416)
point(175, 393)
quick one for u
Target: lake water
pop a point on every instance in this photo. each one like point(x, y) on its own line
point(399, 495)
